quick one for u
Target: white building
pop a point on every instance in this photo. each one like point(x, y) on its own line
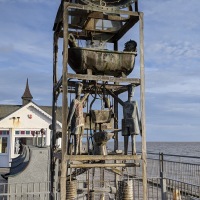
point(23, 123)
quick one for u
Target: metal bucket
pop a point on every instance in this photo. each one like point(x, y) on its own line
point(101, 116)
point(125, 191)
point(71, 190)
point(101, 62)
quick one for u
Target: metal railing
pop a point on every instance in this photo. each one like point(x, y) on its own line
point(176, 167)
point(156, 189)
point(171, 174)
point(20, 191)
point(185, 190)
point(184, 168)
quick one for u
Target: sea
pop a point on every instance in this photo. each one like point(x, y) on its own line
point(179, 148)
point(175, 148)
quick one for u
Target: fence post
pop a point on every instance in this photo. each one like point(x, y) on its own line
point(163, 183)
point(199, 192)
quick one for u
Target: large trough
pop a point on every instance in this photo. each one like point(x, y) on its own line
point(101, 62)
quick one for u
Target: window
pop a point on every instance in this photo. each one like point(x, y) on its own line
point(3, 144)
point(19, 141)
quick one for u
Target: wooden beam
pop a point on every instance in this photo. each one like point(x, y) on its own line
point(127, 26)
point(101, 157)
point(105, 10)
point(102, 165)
point(103, 78)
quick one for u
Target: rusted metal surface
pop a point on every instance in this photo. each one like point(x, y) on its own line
point(101, 116)
point(90, 125)
point(101, 62)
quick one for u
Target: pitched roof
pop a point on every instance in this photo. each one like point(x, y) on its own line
point(6, 110)
point(48, 109)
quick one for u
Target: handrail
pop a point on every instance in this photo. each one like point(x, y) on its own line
point(173, 155)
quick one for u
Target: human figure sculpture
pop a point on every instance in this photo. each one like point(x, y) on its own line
point(131, 124)
point(76, 118)
point(131, 121)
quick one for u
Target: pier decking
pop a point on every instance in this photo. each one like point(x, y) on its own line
point(180, 173)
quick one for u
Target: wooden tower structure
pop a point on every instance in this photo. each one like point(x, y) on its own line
point(92, 73)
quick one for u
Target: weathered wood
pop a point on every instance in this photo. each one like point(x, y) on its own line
point(130, 23)
point(54, 107)
point(97, 157)
point(130, 20)
point(103, 78)
point(84, 35)
point(64, 104)
point(87, 27)
point(102, 165)
point(102, 157)
point(116, 88)
point(142, 105)
point(116, 138)
point(107, 11)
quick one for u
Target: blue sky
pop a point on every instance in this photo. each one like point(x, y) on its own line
point(172, 57)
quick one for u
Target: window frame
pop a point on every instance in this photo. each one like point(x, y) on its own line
point(5, 136)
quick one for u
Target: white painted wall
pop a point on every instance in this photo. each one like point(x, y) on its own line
point(21, 120)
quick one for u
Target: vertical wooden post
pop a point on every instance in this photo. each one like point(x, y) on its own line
point(102, 183)
point(64, 103)
point(116, 140)
point(142, 99)
point(116, 145)
point(54, 107)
